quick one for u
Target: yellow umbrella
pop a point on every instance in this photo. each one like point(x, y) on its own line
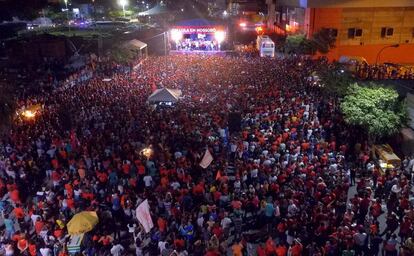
point(82, 222)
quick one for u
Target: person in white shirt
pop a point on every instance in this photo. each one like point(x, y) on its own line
point(45, 251)
point(148, 181)
point(9, 250)
point(117, 249)
point(225, 223)
point(131, 227)
point(162, 245)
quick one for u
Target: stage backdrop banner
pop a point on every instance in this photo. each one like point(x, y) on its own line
point(207, 159)
point(144, 216)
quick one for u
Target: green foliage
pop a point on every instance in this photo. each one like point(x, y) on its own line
point(298, 44)
point(375, 108)
point(321, 41)
point(55, 14)
point(335, 79)
point(115, 14)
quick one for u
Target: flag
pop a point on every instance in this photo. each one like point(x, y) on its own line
point(144, 216)
point(218, 175)
point(207, 159)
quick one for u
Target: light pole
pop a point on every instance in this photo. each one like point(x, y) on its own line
point(67, 13)
point(388, 46)
point(123, 3)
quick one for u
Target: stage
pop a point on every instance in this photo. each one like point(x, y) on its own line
point(197, 36)
point(200, 52)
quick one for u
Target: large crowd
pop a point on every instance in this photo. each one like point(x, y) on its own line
point(384, 71)
point(278, 184)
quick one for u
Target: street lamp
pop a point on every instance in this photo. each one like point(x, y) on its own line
point(388, 46)
point(67, 13)
point(123, 3)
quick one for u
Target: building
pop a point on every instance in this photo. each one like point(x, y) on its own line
point(243, 7)
point(362, 27)
point(216, 7)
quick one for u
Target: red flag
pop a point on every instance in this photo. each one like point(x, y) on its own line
point(218, 175)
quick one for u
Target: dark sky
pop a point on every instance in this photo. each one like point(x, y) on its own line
point(20, 8)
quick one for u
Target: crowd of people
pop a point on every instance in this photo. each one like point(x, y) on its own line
point(189, 44)
point(279, 183)
point(384, 71)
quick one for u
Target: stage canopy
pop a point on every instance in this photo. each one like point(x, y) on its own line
point(134, 43)
point(165, 95)
point(136, 46)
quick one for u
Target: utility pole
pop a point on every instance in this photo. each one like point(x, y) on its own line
point(165, 51)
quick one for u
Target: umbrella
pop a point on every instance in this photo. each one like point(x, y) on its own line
point(82, 222)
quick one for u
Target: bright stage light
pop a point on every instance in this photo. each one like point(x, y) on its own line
point(220, 36)
point(243, 24)
point(259, 30)
point(147, 152)
point(176, 35)
point(123, 2)
point(29, 114)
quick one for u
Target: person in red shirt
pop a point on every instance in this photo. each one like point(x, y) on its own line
point(32, 248)
point(376, 209)
point(18, 212)
point(38, 225)
point(296, 248)
point(281, 250)
point(261, 250)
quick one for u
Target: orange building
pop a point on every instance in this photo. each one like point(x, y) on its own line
point(377, 30)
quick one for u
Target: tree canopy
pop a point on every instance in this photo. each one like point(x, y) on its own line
point(335, 79)
point(321, 41)
point(375, 108)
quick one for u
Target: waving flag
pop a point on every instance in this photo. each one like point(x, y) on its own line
point(207, 159)
point(144, 216)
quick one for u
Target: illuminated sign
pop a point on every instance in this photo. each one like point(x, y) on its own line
point(196, 30)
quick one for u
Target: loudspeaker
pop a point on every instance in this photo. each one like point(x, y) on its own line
point(234, 122)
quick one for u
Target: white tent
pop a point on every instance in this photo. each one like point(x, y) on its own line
point(164, 95)
point(138, 46)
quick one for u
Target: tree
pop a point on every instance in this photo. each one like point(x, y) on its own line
point(375, 108)
point(324, 40)
point(335, 79)
point(321, 41)
point(299, 44)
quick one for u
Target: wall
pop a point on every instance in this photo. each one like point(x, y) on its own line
point(403, 54)
point(317, 18)
point(371, 21)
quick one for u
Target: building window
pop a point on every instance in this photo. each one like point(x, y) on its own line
point(354, 32)
point(387, 32)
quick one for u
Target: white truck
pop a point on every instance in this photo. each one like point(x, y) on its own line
point(265, 46)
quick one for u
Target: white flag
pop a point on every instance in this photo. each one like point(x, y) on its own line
point(144, 216)
point(207, 159)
